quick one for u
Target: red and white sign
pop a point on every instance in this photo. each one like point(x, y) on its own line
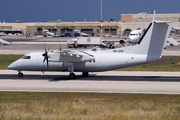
point(89, 40)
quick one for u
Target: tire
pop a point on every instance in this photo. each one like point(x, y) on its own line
point(72, 76)
point(85, 74)
point(20, 74)
point(171, 44)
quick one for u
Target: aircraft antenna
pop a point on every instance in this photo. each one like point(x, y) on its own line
point(154, 15)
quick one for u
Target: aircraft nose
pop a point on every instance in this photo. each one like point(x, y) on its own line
point(13, 66)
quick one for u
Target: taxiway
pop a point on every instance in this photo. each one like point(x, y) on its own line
point(24, 45)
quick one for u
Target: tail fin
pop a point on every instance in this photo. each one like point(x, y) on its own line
point(152, 42)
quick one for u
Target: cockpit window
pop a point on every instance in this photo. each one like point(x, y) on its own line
point(103, 41)
point(26, 57)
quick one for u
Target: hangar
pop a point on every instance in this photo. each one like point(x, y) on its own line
point(69, 27)
point(128, 22)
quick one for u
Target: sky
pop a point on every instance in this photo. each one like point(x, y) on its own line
point(77, 10)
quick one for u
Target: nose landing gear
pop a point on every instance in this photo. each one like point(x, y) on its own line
point(20, 74)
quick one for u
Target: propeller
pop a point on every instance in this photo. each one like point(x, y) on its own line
point(46, 55)
point(59, 46)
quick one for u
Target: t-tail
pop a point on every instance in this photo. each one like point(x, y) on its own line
point(152, 41)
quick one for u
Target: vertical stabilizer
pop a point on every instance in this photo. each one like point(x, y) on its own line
point(152, 42)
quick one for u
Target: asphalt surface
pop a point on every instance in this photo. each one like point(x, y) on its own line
point(101, 82)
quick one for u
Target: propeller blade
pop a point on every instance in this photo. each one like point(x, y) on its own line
point(45, 48)
point(48, 49)
point(59, 46)
point(46, 55)
point(47, 62)
point(44, 60)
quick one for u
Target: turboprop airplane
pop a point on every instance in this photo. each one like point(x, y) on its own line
point(147, 50)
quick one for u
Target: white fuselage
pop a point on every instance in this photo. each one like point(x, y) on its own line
point(103, 61)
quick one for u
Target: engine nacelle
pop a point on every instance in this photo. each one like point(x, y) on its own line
point(122, 41)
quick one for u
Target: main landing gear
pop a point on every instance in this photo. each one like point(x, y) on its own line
point(72, 75)
point(71, 70)
point(20, 74)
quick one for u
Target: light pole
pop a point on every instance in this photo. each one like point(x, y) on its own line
point(101, 17)
point(101, 9)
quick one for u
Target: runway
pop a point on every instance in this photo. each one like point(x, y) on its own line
point(101, 82)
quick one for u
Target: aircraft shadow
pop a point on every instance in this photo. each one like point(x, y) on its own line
point(92, 77)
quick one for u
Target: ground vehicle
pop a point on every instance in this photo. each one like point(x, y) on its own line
point(86, 41)
point(56, 35)
point(77, 34)
point(67, 34)
point(29, 35)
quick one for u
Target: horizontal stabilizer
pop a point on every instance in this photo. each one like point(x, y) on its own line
point(162, 22)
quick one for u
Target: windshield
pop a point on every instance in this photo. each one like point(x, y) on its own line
point(26, 57)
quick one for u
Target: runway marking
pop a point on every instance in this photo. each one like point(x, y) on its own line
point(169, 78)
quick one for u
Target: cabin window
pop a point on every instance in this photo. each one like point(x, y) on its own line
point(26, 57)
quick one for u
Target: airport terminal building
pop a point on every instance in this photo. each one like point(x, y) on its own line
point(128, 22)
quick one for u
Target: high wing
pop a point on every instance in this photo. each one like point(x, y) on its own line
point(67, 55)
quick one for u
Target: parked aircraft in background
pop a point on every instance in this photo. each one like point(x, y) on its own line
point(4, 42)
point(135, 35)
point(81, 33)
point(48, 33)
point(147, 50)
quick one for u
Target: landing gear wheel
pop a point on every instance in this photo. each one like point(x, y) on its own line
point(20, 74)
point(72, 76)
point(85, 74)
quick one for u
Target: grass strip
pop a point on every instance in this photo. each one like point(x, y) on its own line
point(6, 60)
point(166, 63)
point(80, 106)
